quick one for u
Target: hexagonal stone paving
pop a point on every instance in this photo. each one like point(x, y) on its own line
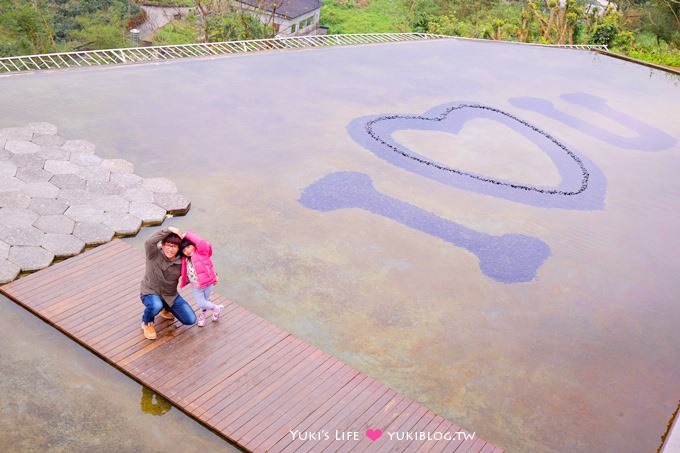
point(59, 224)
point(58, 197)
point(125, 225)
point(85, 213)
point(68, 181)
point(42, 189)
point(93, 233)
point(27, 174)
point(17, 217)
point(159, 185)
point(8, 270)
point(30, 160)
point(86, 160)
point(48, 140)
point(30, 258)
point(47, 206)
point(174, 203)
point(112, 203)
point(43, 128)
point(54, 153)
point(63, 245)
point(128, 180)
point(76, 196)
point(61, 167)
point(94, 173)
point(21, 147)
point(118, 166)
point(148, 212)
point(79, 146)
point(14, 235)
point(139, 195)
point(10, 183)
point(105, 187)
point(14, 199)
point(7, 169)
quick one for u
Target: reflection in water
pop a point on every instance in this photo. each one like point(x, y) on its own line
point(152, 403)
point(57, 396)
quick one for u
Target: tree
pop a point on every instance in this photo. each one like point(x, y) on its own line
point(43, 26)
point(561, 21)
point(27, 27)
point(238, 26)
point(208, 10)
point(663, 19)
point(238, 20)
point(101, 31)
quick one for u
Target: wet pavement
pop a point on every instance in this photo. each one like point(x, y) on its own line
point(488, 228)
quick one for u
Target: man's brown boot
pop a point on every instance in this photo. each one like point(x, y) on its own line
point(149, 331)
point(166, 314)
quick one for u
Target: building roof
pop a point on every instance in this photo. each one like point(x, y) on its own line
point(290, 9)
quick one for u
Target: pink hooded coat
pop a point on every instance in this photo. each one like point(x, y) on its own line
point(201, 259)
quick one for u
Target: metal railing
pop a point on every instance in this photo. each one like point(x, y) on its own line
point(128, 55)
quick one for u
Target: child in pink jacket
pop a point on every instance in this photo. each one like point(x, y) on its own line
point(197, 269)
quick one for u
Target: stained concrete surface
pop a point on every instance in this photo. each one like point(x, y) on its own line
point(573, 352)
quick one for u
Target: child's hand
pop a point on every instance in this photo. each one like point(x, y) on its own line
point(217, 279)
point(177, 231)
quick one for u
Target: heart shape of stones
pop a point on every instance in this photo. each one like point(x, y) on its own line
point(581, 187)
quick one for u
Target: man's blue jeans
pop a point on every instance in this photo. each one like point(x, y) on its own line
point(180, 309)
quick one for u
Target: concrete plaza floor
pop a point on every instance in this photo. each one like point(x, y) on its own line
point(488, 228)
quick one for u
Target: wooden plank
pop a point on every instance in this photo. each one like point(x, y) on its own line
point(457, 442)
point(257, 354)
point(43, 276)
point(241, 398)
point(315, 403)
point(242, 350)
point(54, 277)
point(364, 421)
point(293, 417)
point(319, 419)
point(381, 420)
point(242, 376)
point(284, 390)
point(202, 338)
point(435, 444)
point(261, 428)
point(87, 302)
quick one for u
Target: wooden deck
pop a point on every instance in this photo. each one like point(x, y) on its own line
point(248, 380)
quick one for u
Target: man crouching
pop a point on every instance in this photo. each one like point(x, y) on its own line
point(159, 285)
